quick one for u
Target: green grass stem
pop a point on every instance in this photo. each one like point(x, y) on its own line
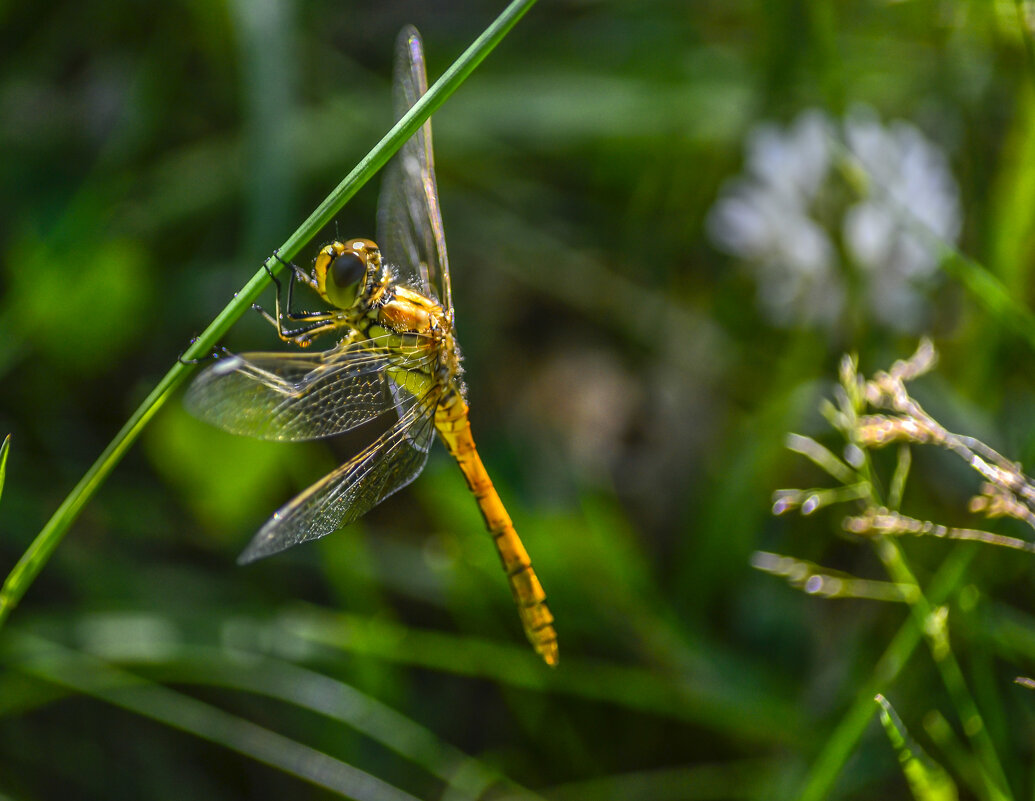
point(925, 616)
point(927, 779)
point(5, 450)
point(840, 745)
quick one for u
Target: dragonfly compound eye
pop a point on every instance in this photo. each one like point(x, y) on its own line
point(342, 279)
point(347, 269)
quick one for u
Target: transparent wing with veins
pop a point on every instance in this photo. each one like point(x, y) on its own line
point(301, 396)
point(409, 221)
point(387, 465)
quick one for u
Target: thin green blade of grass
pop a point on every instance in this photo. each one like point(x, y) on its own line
point(925, 615)
point(928, 780)
point(990, 292)
point(825, 583)
point(90, 676)
point(903, 462)
point(959, 759)
point(821, 456)
point(43, 546)
point(5, 450)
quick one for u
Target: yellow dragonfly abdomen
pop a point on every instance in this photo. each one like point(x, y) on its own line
point(454, 428)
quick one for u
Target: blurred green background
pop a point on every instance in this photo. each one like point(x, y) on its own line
point(630, 392)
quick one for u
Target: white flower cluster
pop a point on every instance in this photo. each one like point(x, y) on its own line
point(790, 215)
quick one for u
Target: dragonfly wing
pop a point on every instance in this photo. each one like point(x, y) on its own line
point(409, 221)
point(295, 396)
point(390, 463)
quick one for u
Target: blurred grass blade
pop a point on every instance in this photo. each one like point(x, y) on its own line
point(989, 292)
point(821, 456)
point(5, 449)
point(931, 618)
point(740, 710)
point(838, 746)
point(90, 676)
point(825, 583)
point(928, 780)
point(466, 776)
point(37, 554)
point(164, 650)
point(897, 490)
point(959, 760)
point(741, 779)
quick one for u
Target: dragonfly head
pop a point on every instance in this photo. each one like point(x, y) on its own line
point(344, 270)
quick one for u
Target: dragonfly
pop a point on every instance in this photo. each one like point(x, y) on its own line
point(391, 308)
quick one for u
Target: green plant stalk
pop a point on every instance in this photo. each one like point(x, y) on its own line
point(924, 614)
point(41, 548)
point(954, 753)
point(898, 480)
point(840, 744)
point(5, 450)
point(927, 779)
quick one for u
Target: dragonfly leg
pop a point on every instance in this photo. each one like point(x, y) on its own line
point(269, 318)
point(297, 274)
point(315, 324)
point(304, 336)
point(273, 320)
point(297, 271)
point(313, 320)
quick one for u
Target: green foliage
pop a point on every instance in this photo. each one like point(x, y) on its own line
point(222, 478)
point(98, 307)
